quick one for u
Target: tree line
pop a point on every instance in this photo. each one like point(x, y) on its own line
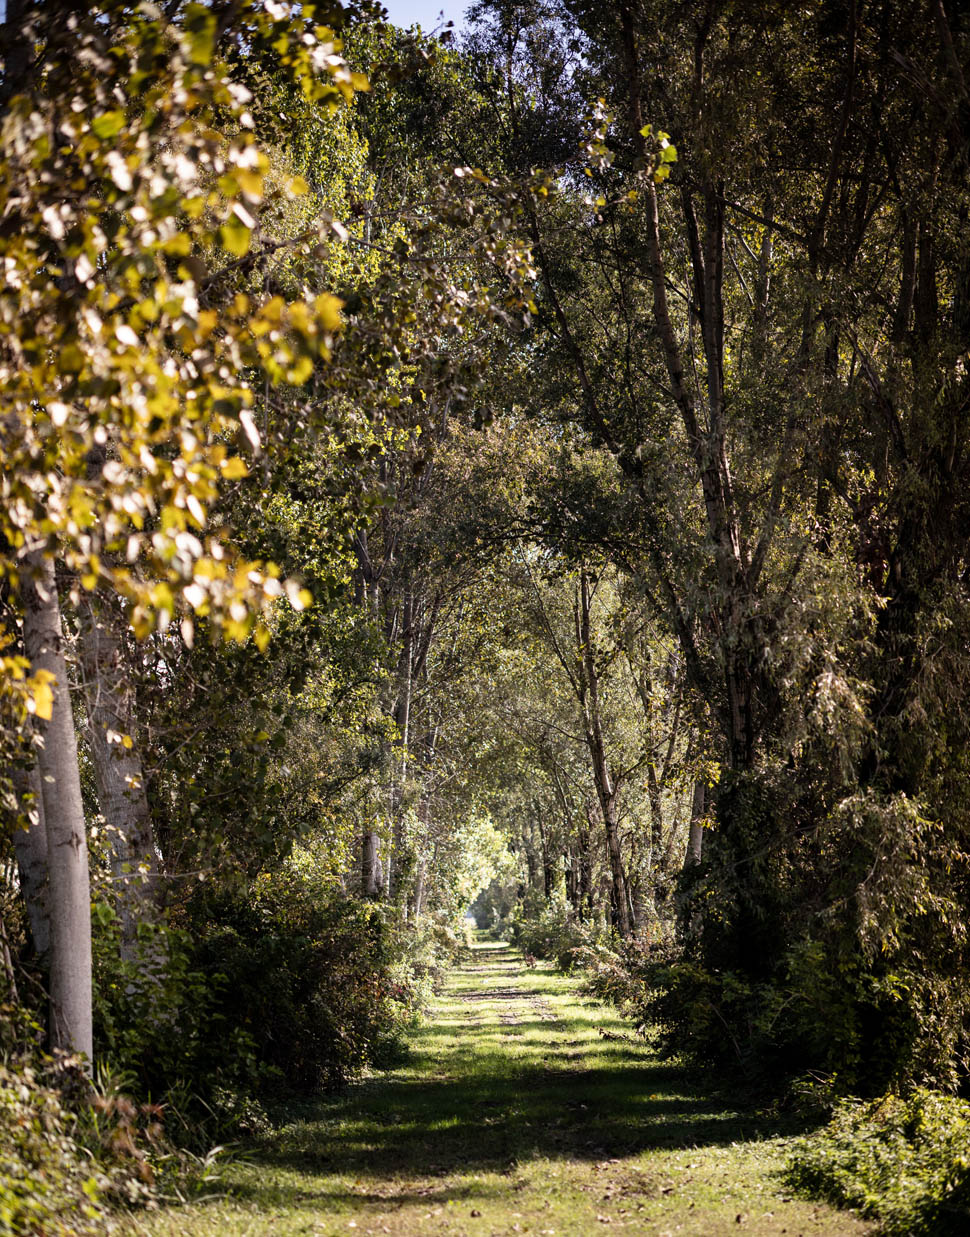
point(526, 470)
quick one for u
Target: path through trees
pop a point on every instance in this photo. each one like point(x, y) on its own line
point(524, 1108)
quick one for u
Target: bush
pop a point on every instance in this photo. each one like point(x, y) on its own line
point(70, 1150)
point(152, 1008)
point(549, 932)
point(264, 991)
point(47, 1184)
point(302, 986)
point(622, 976)
point(902, 1161)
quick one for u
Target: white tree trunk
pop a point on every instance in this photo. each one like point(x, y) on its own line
point(69, 887)
point(118, 772)
point(30, 847)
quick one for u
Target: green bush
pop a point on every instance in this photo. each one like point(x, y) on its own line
point(152, 1007)
point(902, 1161)
point(550, 931)
point(302, 994)
point(47, 1184)
point(264, 991)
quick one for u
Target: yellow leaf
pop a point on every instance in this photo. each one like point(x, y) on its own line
point(251, 183)
point(234, 468)
point(43, 701)
point(328, 311)
point(180, 245)
point(234, 237)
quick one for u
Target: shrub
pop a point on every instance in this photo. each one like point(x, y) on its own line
point(902, 1161)
point(152, 1007)
point(47, 1184)
point(550, 932)
point(303, 988)
point(263, 991)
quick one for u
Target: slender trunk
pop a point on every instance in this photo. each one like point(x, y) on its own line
point(532, 863)
point(30, 847)
point(596, 743)
point(371, 869)
point(695, 842)
point(69, 885)
point(655, 797)
point(548, 863)
point(402, 721)
point(419, 883)
point(118, 772)
point(571, 861)
point(586, 864)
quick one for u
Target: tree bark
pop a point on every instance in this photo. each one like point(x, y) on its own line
point(695, 841)
point(371, 869)
point(118, 772)
point(69, 885)
point(402, 723)
point(30, 847)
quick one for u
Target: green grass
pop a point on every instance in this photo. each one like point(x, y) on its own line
point(522, 1108)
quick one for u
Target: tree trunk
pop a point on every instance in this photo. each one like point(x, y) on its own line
point(30, 847)
point(595, 741)
point(69, 885)
point(655, 796)
point(550, 884)
point(118, 773)
point(586, 863)
point(402, 722)
point(371, 869)
point(419, 883)
point(695, 841)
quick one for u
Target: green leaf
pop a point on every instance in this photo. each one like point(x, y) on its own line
point(108, 125)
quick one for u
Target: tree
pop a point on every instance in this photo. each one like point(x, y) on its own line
point(121, 385)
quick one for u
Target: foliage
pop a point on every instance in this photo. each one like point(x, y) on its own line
point(71, 1152)
point(46, 1183)
point(151, 1005)
point(301, 985)
point(550, 930)
point(901, 1160)
point(126, 397)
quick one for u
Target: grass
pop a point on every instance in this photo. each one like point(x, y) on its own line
point(522, 1108)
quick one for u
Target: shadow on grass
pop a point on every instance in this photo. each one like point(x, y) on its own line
point(551, 1090)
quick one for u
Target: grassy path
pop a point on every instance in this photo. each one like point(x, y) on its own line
point(523, 1109)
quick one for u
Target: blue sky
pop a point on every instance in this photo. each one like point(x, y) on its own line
point(406, 12)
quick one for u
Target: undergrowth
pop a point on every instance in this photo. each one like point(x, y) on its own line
point(904, 1162)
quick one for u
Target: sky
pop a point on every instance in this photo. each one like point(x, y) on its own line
point(406, 12)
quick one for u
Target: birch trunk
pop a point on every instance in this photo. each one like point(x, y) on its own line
point(30, 847)
point(118, 772)
point(69, 886)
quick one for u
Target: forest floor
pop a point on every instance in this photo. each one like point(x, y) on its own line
point(522, 1108)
